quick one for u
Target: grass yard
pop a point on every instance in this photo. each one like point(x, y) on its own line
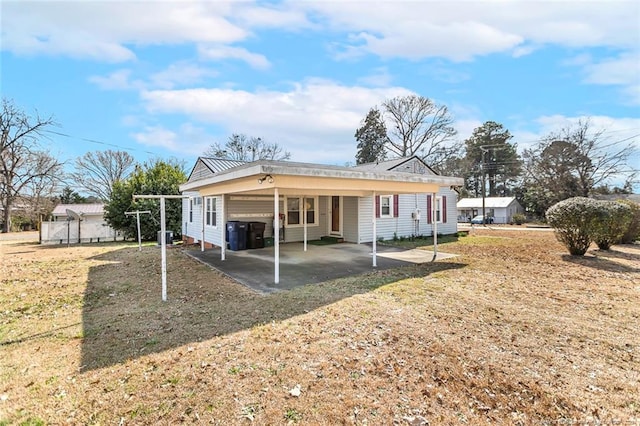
point(513, 331)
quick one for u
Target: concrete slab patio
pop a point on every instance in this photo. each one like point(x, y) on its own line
point(255, 268)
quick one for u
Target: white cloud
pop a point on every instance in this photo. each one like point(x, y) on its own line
point(177, 74)
point(117, 80)
point(315, 120)
point(188, 139)
point(380, 77)
point(623, 70)
point(223, 52)
point(457, 30)
point(462, 30)
point(104, 30)
point(157, 136)
point(180, 74)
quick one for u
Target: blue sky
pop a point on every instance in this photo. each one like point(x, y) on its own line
point(167, 78)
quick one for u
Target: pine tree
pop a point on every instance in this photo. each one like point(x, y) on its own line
point(371, 137)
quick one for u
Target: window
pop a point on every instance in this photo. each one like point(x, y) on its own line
point(294, 210)
point(211, 217)
point(440, 208)
point(385, 205)
point(194, 202)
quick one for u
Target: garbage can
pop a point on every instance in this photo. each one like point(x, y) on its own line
point(237, 235)
point(168, 237)
point(255, 235)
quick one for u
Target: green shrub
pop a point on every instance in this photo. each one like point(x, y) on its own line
point(633, 230)
point(572, 220)
point(612, 222)
point(518, 218)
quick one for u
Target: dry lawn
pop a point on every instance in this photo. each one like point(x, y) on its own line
point(513, 331)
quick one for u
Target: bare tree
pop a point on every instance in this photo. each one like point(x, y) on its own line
point(418, 126)
point(96, 172)
point(39, 193)
point(21, 164)
point(244, 148)
point(572, 162)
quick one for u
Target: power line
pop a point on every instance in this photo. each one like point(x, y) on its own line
point(99, 142)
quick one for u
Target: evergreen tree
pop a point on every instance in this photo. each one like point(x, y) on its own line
point(158, 178)
point(371, 137)
point(488, 150)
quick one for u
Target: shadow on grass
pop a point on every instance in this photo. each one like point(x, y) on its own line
point(608, 260)
point(124, 317)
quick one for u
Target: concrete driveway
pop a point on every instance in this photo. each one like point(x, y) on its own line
point(255, 268)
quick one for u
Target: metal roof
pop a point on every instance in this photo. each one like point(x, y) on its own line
point(489, 202)
point(218, 165)
point(291, 177)
point(391, 165)
point(83, 209)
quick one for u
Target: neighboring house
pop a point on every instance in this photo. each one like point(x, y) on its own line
point(77, 223)
point(619, 197)
point(501, 209)
point(316, 200)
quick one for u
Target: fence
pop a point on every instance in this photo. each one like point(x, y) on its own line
point(77, 232)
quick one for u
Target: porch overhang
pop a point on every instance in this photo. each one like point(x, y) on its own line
point(277, 178)
point(313, 179)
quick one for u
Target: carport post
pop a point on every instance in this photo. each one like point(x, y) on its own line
point(276, 235)
point(304, 221)
point(434, 207)
point(202, 201)
point(223, 245)
point(373, 221)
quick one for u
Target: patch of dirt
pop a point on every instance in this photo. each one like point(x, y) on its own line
point(512, 331)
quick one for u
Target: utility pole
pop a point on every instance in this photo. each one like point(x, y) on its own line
point(485, 149)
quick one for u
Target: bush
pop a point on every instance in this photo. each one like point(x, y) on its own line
point(612, 223)
point(633, 230)
point(572, 220)
point(519, 218)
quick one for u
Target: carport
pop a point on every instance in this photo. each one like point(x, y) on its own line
point(277, 178)
point(252, 268)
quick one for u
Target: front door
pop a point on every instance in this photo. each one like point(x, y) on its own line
point(336, 215)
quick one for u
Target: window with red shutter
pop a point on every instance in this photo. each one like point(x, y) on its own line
point(444, 209)
point(396, 205)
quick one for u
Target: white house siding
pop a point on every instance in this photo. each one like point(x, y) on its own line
point(403, 225)
point(200, 171)
point(499, 214)
point(249, 209)
point(350, 230)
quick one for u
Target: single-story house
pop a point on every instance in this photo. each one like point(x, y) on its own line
point(77, 223)
point(501, 209)
point(360, 204)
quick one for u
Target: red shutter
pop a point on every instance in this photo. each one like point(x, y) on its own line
point(444, 209)
point(428, 208)
point(377, 206)
point(395, 205)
